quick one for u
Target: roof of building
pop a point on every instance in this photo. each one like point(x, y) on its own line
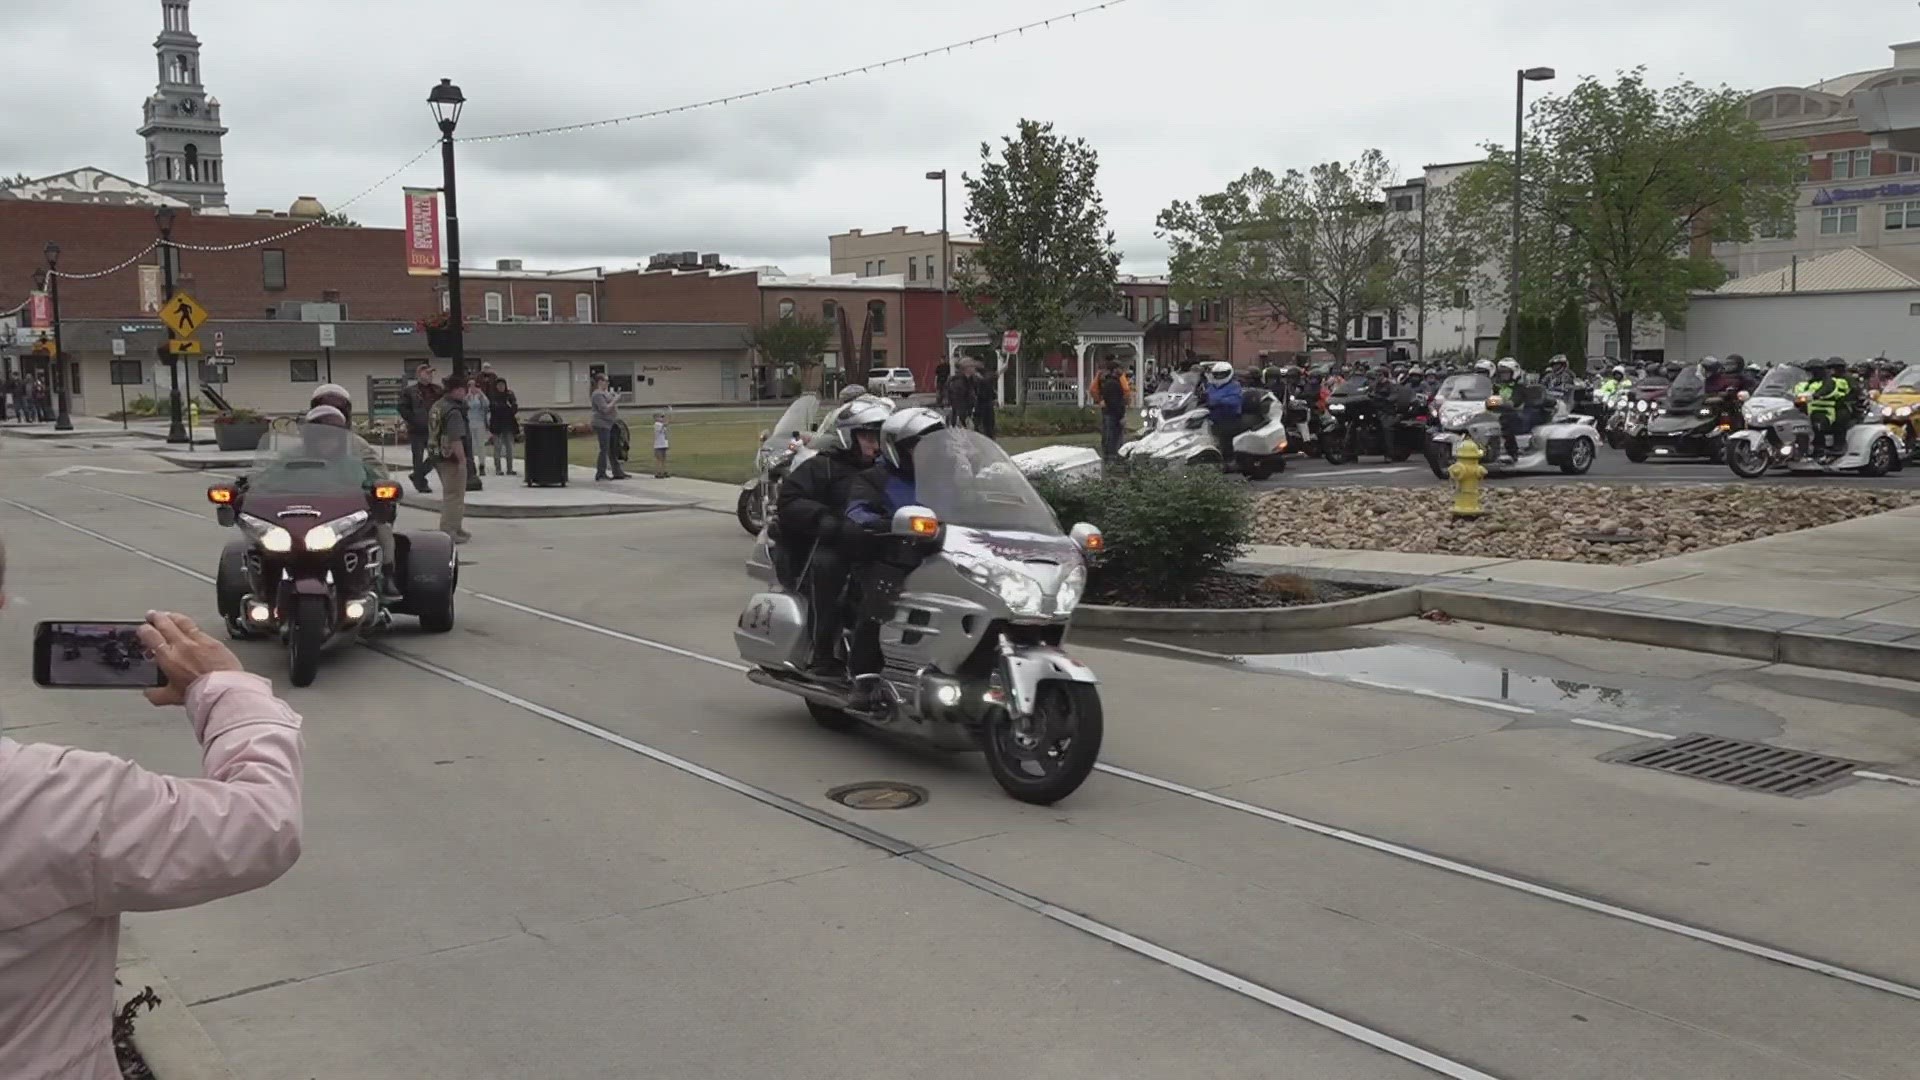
point(87, 185)
point(478, 273)
point(888, 282)
point(291, 335)
point(1097, 322)
point(1848, 270)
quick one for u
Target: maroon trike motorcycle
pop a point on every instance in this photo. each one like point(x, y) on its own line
point(310, 568)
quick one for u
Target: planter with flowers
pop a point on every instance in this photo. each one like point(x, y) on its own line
point(239, 429)
point(440, 332)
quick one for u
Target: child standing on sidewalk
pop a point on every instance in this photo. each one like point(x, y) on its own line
point(660, 445)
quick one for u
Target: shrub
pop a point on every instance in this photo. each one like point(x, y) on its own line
point(239, 416)
point(1166, 529)
point(1028, 420)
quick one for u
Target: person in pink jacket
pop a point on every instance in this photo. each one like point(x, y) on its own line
point(85, 836)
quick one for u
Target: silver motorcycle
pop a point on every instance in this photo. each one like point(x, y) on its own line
point(780, 447)
point(974, 586)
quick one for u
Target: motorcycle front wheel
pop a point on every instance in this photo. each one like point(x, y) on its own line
point(1046, 757)
point(1637, 450)
point(1439, 456)
point(752, 511)
point(306, 635)
point(1747, 461)
point(1336, 446)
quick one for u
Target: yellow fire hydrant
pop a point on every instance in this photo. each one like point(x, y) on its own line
point(1466, 473)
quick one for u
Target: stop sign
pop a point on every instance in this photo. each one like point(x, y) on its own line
point(1010, 341)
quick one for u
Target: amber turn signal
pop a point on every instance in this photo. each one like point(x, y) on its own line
point(384, 492)
point(220, 495)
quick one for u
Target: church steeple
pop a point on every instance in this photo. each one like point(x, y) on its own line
point(181, 124)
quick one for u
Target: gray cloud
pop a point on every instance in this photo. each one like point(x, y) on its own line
point(323, 99)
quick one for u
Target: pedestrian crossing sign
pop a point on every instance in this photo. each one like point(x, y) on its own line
point(183, 315)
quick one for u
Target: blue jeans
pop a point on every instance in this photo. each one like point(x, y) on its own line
point(604, 467)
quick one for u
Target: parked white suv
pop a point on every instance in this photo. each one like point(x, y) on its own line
point(891, 382)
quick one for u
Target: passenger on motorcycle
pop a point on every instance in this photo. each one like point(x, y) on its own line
point(1513, 419)
point(1225, 403)
point(811, 513)
point(1559, 377)
point(876, 494)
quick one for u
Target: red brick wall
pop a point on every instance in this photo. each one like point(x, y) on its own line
point(923, 336)
point(639, 296)
point(366, 266)
point(518, 297)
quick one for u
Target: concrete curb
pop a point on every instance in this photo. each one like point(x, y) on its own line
point(1375, 607)
point(173, 1043)
point(81, 433)
point(1860, 657)
point(562, 510)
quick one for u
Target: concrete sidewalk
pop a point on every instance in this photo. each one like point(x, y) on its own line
point(94, 427)
point(510, 497)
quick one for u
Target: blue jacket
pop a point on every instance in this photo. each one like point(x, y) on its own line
point(1223, 402)
point(877, 493)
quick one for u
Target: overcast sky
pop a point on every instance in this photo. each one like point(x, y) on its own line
point(326, 96)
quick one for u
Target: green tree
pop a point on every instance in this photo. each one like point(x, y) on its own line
point(1312, 249)
point(338, 220)
point(1623, 188)
point(1046, 256)
point(797, 341)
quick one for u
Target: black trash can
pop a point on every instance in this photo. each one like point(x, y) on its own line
point(546, 450)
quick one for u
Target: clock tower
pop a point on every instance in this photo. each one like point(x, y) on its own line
point(181, 124)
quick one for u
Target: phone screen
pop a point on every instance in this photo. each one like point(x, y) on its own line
point(93, 655)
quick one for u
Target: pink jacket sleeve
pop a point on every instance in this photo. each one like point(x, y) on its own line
point(166, 841)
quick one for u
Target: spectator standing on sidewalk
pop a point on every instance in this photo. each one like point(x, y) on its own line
point(986, 395)
point(1112, 391)
point(959, 396)
point(503, 421)
point(660, 446)
point(606, 413)
point(6, 398)
point(479, 423)
point(416, 408)
point(85, 836)
point(447, 431)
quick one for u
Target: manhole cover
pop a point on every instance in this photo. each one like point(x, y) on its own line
point(1755, 766)
point(878, 795)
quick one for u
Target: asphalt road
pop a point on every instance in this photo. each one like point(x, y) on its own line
point(569, 839)
point(1610, 467)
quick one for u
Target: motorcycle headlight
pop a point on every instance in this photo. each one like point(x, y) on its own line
point(1336, 407)
point(324, 537)
point(1016, 588)
point(1641, 406)
point(1706, 412)
point(271, 537)
point(1903, 412)
point(1071, 587)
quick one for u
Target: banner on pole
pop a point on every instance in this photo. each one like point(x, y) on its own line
point(39, 310)
point(150, 290)
point(423, 232)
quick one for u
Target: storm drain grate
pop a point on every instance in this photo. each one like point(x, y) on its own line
point(1755, 766)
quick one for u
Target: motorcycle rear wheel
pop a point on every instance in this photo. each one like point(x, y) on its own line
point(1052, 755)
point(1637, 450)
point(1337, 446)
point(306, 635)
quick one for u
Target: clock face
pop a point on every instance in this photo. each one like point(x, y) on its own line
point(187, 106)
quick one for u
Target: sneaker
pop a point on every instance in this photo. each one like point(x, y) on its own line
point(861, 699)
point(421, 486)
point(621, 476)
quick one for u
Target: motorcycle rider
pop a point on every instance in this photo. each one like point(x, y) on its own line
point(810, 513)
point(373, 471)
point(1824, 391)
point(1615, 381)
point(1506, 383)
point(1559, 375)
point(877, 493)
point(1224, 400)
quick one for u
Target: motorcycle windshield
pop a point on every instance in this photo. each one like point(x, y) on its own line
point(1907, 382)
point(1780, 381)
point(1473, 387)
point(312, 459)
point(968, 480)
point(1688, 390)
point(798, 420)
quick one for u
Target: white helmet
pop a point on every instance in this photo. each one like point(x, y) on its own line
point(903, 429)
point(1219, 373)
point(329, 393)
point(854, 392)
point(865, 413)
point(1483, 366)
point(326, 414)
point(1508, 367)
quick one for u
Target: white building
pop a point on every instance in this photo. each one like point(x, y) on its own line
point(1853, 303)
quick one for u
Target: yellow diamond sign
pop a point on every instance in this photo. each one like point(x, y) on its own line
point(183, 315)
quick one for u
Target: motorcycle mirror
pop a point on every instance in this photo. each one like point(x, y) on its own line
point(1495, 402)
point(220, 495)
point(763, 434)
point(916, 521)
point(1089, 538)
point(1743, 395)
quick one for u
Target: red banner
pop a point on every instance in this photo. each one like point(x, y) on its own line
point(39, 310)
point(423, 231)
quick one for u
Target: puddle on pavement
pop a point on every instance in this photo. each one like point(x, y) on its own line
point(1415, 668)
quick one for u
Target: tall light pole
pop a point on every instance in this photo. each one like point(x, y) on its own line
point(176, 425)
point(945, 261)
point(63, 421)
point(446, 101)
point(1520, 80)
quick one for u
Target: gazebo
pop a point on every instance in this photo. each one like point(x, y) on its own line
point(1097, 335)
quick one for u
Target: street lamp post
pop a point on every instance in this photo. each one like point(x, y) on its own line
point(446, 101)
point(946, 258)
point(176, 423)
point(1520, 80)
point(63, 421)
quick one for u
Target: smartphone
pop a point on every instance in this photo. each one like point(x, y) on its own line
point(93, 655)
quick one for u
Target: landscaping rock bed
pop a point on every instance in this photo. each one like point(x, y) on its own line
point(1231, 590)
point(1590, 523)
